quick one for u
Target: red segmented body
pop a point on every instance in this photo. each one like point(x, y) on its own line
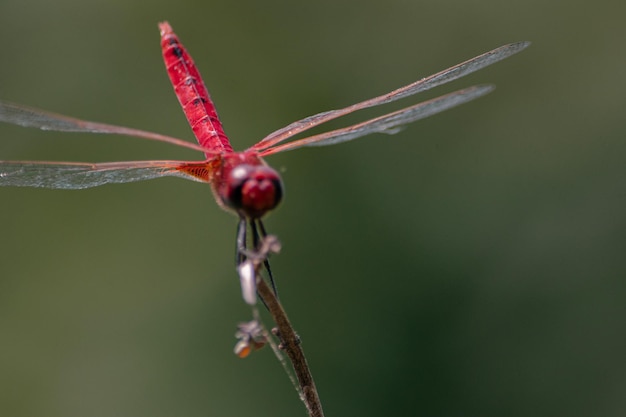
point(192, 94)
point(240, 181)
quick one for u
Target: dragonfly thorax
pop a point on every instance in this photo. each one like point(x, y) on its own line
point(251, 190)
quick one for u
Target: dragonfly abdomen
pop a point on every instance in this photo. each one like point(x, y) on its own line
point(192, 94)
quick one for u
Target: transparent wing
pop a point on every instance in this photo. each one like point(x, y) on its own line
point(31, 117)
point(424, 84)
point(390, 123)
point(79, 175)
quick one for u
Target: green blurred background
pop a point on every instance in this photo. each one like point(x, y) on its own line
point(472, 265)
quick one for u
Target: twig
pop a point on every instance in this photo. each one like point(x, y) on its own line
point(292, 346)
point(290, 342)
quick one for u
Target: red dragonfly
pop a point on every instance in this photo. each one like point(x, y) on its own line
point(241, 181)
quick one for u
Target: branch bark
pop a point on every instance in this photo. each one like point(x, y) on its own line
point(293, 348)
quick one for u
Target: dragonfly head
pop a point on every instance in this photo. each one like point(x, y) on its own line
point(252, 190)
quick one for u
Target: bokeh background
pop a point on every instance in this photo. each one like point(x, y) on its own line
point(472, 265)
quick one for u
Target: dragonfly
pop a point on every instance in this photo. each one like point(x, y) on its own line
point(242, 182)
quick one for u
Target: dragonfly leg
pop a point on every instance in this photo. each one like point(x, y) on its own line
point(267, 262)
point(258, 234)
point(240, 250)
point(246, 258)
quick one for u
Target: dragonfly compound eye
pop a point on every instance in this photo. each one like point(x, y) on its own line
point(253, 190)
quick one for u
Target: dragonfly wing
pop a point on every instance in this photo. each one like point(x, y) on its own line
point(390, 123)
point(78, 175)
point(424, 84)
point(32, 117)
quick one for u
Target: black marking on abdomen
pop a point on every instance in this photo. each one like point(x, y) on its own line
point(176, 50)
